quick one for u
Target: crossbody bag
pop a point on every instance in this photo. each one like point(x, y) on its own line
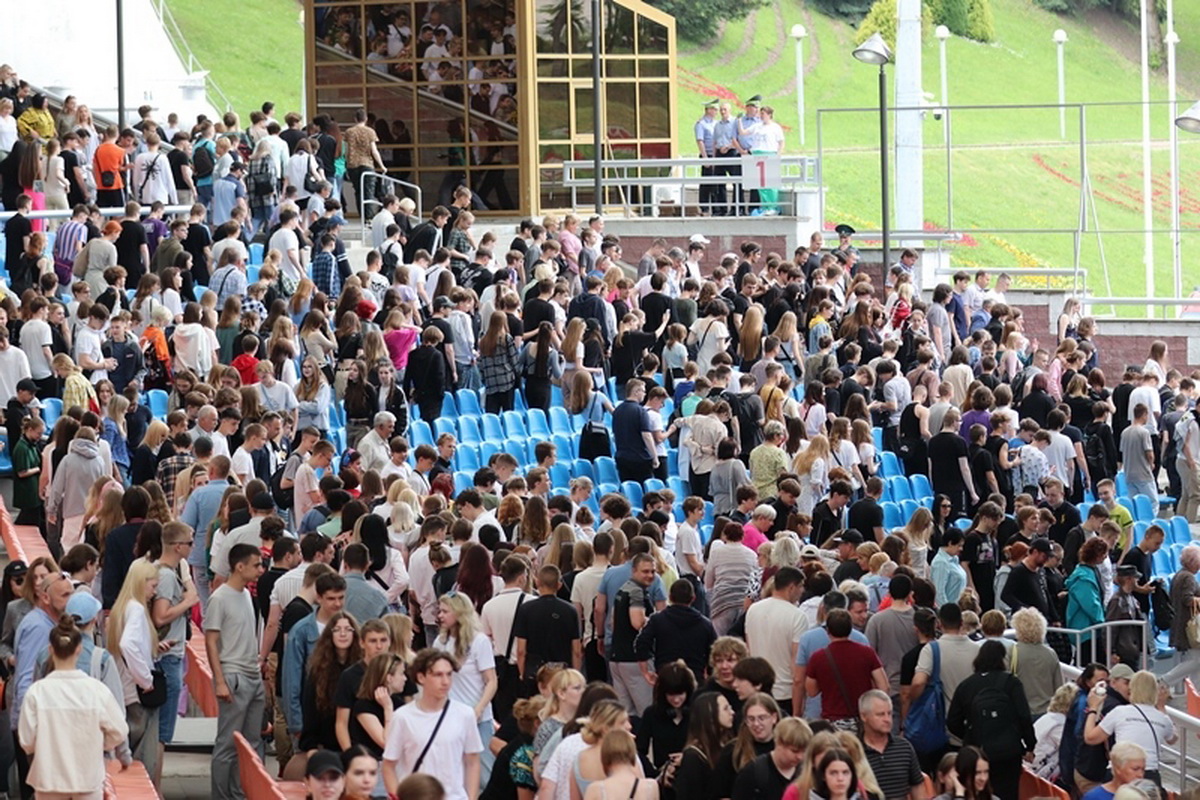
point(425, 751)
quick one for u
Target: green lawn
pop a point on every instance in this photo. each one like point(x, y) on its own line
point(254, 50)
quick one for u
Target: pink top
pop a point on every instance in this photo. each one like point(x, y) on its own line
point(399, 344)
point(753, 537)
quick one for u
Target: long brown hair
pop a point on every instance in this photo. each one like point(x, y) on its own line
point(324, 666)
point(496, 331)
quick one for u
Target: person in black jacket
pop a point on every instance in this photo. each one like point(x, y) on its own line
point(989, 710)
point(678, 632)
point(428, 235)
point(425, 376)
point(663, 729)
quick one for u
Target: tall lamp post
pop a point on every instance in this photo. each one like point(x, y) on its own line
point(874, 51)
point(1172, 40)
point(943, 34)
point(597, 109)
point(800, 33)
point(1060, 39)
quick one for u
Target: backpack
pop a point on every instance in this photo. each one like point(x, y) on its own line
point(992, 718)
point(392, 251)
point(1019, 381)
point(1096, 455)
point(283, 497)
point(925, 726)
point(1164, 613)
point(158, 373)
point(203, 161)
point(743, 410)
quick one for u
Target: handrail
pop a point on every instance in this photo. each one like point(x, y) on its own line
point(366, 201)
point(179, 44)
point(1077, 634)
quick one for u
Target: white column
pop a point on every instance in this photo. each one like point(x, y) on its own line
point(1147, 188)
point(910, 166)
point(799, 32)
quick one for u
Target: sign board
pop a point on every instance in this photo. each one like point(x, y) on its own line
point(762, 171)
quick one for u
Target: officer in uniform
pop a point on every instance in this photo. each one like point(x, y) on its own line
point(747, 125)
point(704, 144)
point(725, 145)
point(846, 253)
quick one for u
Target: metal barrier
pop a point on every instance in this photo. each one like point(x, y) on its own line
point(388, 180)
point(632, 177)
point(1076, 635)
point(1078, 277)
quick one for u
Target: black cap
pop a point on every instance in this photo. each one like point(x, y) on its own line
point(1128, 571)
point(27, 385)
point(754, 101)
point(237, 166)
point(441, 301)
point(844, 230)
point(323, 762)
point(849, 537)
point(1041, 545)
point(17, 569)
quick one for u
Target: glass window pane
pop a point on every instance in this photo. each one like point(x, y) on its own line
point(582, 68)
point(339, 33)
point(391, 104)
point(584, 112)
point(552, 68)
point(654, 67)
point(620, 67)
point(345, 97)
point(497, 188)
point(553, 17)
point(553, 111)
point(621, 110)
point(652, 37)
point(655, 111)
point(581, 26)
point(618, 28)
point(335, 74)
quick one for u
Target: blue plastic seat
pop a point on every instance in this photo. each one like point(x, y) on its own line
point(519, 402)
point(583, 469)
point(963, 523)
point(1143, 508)
point(1181, 533)
point(921, 487)
point(516, 448)
point(531, 451)
point(556, 396)
point(632, 491)
point(556, 491)
point(463, 481)
point(1139, 531)
point(419, 433)
point(468, 402)
point(487, 449)
point(449, 407)
point(900, 489)
point(1127, 503)
point(710, 513)
point(514, 424)
point(560, 475)
point(493, 429)
point(1122, 484)
point(52, 408)
point(445, 425)
point(876, 436)
point(538, 424)
point(606, 470)
point(566, 445)
point(673, 464)
point(467, 457)
point(158, 403)
point(654, 485)
point(893, 517)
point(611, 386)
point(468, 429)
point(1161, 563)
point(890, 464)
point(560, 421)
point(608, 488)
point(679, 486)
point(908, 508)
point(256, 254)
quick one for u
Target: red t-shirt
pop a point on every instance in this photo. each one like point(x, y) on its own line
point(855, 662)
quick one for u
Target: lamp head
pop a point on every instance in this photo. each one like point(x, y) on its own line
point(874, 51)
point(799, 31)
point(942, 32)
point(1060, 36)
point(1171, 38)
point(1190, 119)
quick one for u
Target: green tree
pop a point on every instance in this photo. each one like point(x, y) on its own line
point(980, 25)
point(698, 22)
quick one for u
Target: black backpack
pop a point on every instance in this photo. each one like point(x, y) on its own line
point(283, 497)
point(1096, 455)
point(992, 717)
point(743, 410)
point(1019, 381)
point(1164, 613)
point(203, 162)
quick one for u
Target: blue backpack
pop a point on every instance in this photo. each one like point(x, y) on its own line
point(925, 726)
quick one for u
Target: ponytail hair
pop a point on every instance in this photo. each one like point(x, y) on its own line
point(65, 638)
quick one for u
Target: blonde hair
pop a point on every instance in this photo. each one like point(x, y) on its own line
point(466, 625)
point(818, 447)
point(133, 590)
point(563, 679)
point(605, 715)
point(400, 628)
point(1143, 688)
point(1063, 699)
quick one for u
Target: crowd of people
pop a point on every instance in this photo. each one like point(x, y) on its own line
point(407, 614)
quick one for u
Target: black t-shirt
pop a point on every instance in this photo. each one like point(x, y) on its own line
point(347, 685)
point(825, 522)
point(358, 734)
point(443, 325)
point(657, 307)
point(516, 328)
point(197, 239)
point(982, 555)
point(1139, 558)
point(908, 665)
point(849, 570)
point(865, 516)
point(982, 463)
point(946, 449)
point(627, 354)
point(549, 626)
point(760, 780)
point(71, 160)
point(296, 610)
point(631, 595)
point(15, 231)
point(129, 252)
point(537, 311)
point(263, 590)
point(178, 160)
point(292, 136)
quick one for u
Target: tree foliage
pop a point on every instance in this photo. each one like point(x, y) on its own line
point(698, 22)
point(883, 17)
point(851, 10)
point(981, 26)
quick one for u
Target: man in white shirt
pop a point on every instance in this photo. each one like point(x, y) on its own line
point(89, 346)
point(689, 552)
point(374, 445)
point(35, 343)
point(228, 422)
point(152, 178)
point(306, 490)
point(384, 217)
point(500, 612)
point(452, 755)
point(956, 656)
point(242, 460)
point(773, 629)
point(469, 504)
point(286, 242)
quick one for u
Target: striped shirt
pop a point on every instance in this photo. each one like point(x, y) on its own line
point(896, 768)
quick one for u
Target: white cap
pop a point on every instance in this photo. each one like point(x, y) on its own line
point(699, 238)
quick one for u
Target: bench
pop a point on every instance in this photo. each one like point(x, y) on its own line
point(131, 783)
point(257, 783)
point(23, 542)
point(199, 678)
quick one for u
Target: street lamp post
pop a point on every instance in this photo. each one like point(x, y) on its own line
point(1147, 167)
point(799, 33)
point(597, 110)
point(874, 51)
point(943, 34)
point(1172, 40)
point(1060, 39)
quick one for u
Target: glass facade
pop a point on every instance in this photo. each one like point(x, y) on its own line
point(456, 95)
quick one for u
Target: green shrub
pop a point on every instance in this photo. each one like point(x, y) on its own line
point(882, 18)
point(980, 25)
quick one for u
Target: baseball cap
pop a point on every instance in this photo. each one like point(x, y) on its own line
point(1120, 672)
point(810, 551)
point(1128, 571)
point(83, 607)
point(441, 301)
point(27, 385)
point(699, 238)
point(848, 537)
point(323, 762)
point(1041, 545)
point(336, 221)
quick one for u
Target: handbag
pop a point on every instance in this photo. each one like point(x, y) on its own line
point(594, 439)
point(156, 695)
point(1193, 632)
point(311, 182)
point(925, 726)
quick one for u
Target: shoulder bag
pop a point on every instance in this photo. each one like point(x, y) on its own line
point(416, 767)
point(925, 726)
point(508, 678)
point(311, 184)
point(849, 723)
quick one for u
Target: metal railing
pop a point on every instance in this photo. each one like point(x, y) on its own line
point(1078, 277)
point(180, 45)
point(638, 179)
point(387, 180)
point(1106, 632)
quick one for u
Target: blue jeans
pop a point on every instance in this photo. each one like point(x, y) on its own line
point(487, 758)
point(172, 667)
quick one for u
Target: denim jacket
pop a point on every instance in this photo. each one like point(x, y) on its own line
point(301, 640)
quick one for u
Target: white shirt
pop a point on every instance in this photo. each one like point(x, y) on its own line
point(89, 341)
point(773, 625)
point(1060, 451)
point(497, 619)
point(34, 335)
point(421, 571)
point(687, 542)
point(243, 464)
point(1142, 724)
point(469, 680)
point(1147, 396)
point(152, 179)
point(285, 240)
point(411, 728)
point(306, 482)
point(379, 225)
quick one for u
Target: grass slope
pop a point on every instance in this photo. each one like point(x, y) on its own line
point(254, 50)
